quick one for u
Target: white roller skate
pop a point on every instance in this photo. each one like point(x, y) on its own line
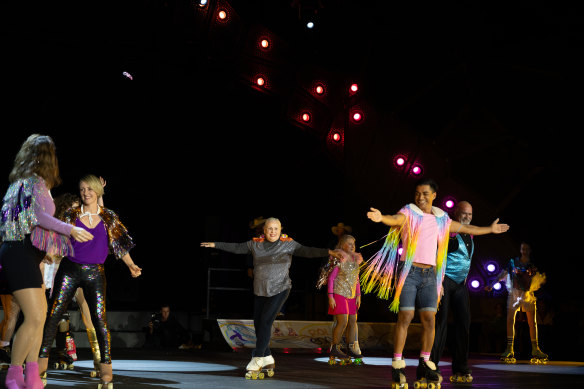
point(269, 365)
point(254, 369)
point(355, 353)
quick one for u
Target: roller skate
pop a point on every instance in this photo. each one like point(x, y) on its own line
point(95, 351)
point(427, 376)
point(63, 361)
point(508, 356)
point(106, 376)
point(355, 353)
point(461, 376)
point(268, 366)
point(43, 364)
point(398, 375)
point(254, 369)
point(335, 353)
point(538, 356)
point(4, 357)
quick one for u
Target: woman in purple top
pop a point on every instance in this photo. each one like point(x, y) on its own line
point(29, 231)
point(85, 269)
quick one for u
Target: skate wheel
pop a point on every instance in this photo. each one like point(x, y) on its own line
point(270, 373)
point(105, 385)
point(419, 385)
point(332, 362)
point(93, 374)
point(71, 367)
point(468, 379)
point(431, 385)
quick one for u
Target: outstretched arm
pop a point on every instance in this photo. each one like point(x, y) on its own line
point(134, 269)
point(389, 220)
point(494, 228)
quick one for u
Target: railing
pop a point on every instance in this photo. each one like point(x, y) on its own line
point(211, 288)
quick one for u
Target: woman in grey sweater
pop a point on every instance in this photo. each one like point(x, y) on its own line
point(272, 257)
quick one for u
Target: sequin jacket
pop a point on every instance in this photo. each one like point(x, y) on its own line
point(272, 261)
point(347, 278)
point(27, 210)
point(120, 242)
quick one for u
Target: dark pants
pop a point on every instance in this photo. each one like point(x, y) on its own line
point(69, 277)
point(265, 310)
point(456, 298)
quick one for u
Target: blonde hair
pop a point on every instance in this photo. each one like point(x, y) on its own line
point(343, 239)
point(94, 183)
point(37, 155)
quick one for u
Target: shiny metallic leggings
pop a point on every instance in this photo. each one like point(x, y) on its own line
point(69, 277)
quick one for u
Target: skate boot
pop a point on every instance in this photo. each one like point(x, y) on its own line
point(355, 353)
point(92, 337)
point(508, 356)
point(4, 357)
point(427, 376)
point(14, 378)
point(335, 353)
point(269, 365)
point(106, 376)
point(461, 376)
point(254, 369)
point(538, 356)
point(43, 364)
point(398, 375)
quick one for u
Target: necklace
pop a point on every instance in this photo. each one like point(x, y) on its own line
point(89, 214)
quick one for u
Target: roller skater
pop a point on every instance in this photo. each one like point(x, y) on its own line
point(414, 276)
point(523, 280)
point(427, 375)
point(254, 369)
point(398, 374)
point(462, 376)
point(344, 295)
point(272, 258)
point(337, 356)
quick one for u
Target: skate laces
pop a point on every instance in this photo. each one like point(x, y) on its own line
point(431, 365)
point(399, 364)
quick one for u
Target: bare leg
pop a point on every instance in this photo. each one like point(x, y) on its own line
point(532, 322)
point(341, 325)
point(511, 322)
point(28, 338)
point(352, 330)
point(11, 310)
point(404, 319)
point(427, 319)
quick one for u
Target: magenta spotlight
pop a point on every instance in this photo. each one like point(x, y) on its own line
point(400, 250)
point(449, 204)
point(417, 170)
point(399, 161)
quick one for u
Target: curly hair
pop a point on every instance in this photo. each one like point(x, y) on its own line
point(37, 155)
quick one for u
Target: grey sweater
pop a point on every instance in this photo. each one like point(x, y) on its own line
point(271, 262)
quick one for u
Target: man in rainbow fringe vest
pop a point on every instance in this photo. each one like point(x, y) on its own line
point(423, 231)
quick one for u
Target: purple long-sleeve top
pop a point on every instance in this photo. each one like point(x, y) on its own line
point(44, 209)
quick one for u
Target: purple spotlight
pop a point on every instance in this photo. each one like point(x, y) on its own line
point(475, 284)
point(491, 267)
point(497, 286)
point(400, 250)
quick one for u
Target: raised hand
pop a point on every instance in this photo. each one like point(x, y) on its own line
point(499, 228)
point(374, 215)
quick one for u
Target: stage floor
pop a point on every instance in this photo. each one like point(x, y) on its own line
point(138, 368)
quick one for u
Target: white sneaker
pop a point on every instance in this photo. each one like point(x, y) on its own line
point(255, 364)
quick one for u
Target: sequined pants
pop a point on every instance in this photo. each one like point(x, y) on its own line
point(69, 277)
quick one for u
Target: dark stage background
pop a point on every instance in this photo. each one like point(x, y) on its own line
point(486, 95)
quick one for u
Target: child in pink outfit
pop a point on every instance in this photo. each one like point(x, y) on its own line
point(344, 295)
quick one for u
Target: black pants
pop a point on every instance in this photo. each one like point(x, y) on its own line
point(69, 277)
point(455, 298)
point(265, 310)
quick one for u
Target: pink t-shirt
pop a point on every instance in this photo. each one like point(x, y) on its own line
point(427, 241)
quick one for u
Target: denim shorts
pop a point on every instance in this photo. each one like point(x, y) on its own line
point(419, 290)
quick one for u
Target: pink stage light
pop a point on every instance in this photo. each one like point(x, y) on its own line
point(319, 89)
point(336, 137)
point(264, 43)
point(222, 15)
point(417, 170)
point(449, 204)
point(354, 88)
point(260, 81)
point(305, 117)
